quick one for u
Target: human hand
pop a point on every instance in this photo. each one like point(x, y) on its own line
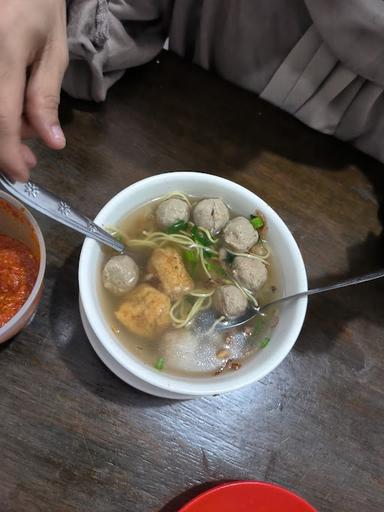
point(33, 58)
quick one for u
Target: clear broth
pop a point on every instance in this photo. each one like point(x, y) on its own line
point(241, 346)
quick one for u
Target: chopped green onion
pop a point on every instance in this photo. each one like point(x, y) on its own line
point(264, 342)
point(118, 236)
point(159, 365)
point(257, 328)
point(191, 259)
point(213, 267)
point(256, 221)
point(207, 253)
point(191, 256)
point(230, 258)
point(200, 237)
point(179, 225)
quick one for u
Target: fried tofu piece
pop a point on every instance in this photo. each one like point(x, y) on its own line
point(145, 311)
point(167, 265)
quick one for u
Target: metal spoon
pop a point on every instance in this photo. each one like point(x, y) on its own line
point(47, 203)
point(253, 312)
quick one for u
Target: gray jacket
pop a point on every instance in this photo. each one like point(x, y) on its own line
point(320, 60)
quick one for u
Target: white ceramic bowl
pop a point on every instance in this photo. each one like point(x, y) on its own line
point(287, 256)
point(18, 223)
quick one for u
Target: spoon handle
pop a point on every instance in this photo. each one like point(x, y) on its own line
point(47, 203)
point(341, 284)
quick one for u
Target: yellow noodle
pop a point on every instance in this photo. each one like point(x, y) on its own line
point(248, 294)
point(202, 261)
point(158, 238)
point(180, 195)
point(201, 293)
point(201, 304)
point(215, 323)
point(208, 235)
point(251, 256)
point(264, 243)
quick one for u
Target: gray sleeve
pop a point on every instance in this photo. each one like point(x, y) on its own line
point(353, 31)
point(107, 37)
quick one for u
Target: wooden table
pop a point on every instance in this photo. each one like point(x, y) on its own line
point(73, 437)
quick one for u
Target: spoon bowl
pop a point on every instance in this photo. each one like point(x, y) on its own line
point(259, 311)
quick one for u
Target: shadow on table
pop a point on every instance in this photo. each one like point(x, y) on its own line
point(75, 349)
point(246, 129)
point(364, 301)
point(185, 497)
point(238, 125)
point(321, 328)
point(5, 345)
point(326, 155)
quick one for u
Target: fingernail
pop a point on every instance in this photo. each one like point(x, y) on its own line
point(30, 161)
point(58, 134)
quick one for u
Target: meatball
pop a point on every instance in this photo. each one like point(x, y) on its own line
point(229, 301)
point(120, 274)
point(211, 214)
point(249, 272)
point(172, 210)
point(179, 347)
point(240, 235)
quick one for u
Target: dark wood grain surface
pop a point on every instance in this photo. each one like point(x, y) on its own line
point(73, 437)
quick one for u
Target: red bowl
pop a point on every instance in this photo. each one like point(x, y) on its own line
point(248, 497)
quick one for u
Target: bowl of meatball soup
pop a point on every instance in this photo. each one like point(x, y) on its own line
point(200, 250)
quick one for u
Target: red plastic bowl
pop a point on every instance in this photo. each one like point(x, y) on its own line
point(248, 497)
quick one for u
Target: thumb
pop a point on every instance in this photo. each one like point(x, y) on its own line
point(43, 98)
